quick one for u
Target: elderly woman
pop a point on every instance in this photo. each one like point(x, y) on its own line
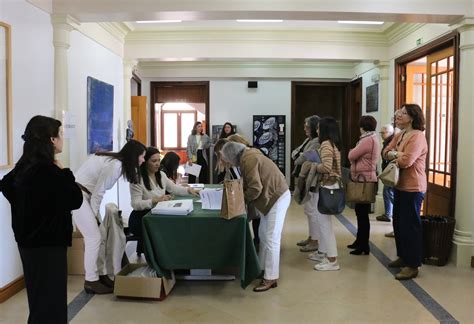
point(409, 148)
point(363, 158)
point(386, 132)
point(264, 186)
point(311, 143)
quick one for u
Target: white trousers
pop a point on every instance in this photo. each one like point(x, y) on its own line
point(312, 219)
point(327, 238)
point(269, 231)
point(86, 222)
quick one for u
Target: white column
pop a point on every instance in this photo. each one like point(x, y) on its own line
point(62, 27)
point(463, 248)
point(128, 67)
point(386, 107)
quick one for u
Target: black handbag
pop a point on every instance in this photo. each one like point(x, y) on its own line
point(331, 201)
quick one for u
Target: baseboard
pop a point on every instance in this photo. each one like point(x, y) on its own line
point(12, 288)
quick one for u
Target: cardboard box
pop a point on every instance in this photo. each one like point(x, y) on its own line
point(138, 287)
point(75, 255)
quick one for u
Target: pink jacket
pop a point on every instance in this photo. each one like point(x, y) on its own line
point(363, 158)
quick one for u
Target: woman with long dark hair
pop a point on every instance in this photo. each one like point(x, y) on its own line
point(98, 174)
point(169, 165)
point(409, 148)
point(198, 143)
point(152, 188)
point(42, 194)
point(330, 173)
point(227, 130)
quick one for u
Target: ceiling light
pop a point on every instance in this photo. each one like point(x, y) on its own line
point(260, 20)
point(360, 22)
point(158, 21)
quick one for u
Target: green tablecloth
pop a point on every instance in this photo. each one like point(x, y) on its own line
point(200, 240)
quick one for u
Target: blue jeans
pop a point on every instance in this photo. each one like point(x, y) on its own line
point(388, 201)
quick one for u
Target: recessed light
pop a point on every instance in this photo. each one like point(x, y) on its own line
point(157, 21)
point(360, 22)
point(260, 20)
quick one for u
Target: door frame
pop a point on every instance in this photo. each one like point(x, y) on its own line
point(449, 40)
point(154, 85)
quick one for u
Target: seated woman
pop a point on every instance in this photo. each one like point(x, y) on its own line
point(169, 165)
point(152, 189)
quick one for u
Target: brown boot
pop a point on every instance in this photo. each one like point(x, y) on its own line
point(105, 280)
point(407, 273)
point(96, 287)
point(265, 285)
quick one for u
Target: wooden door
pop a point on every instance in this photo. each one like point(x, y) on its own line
point(139, 118)
point(441, 133)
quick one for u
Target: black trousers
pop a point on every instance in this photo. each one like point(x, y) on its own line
point(407, 226)
point(45, 272)
point(363, 225)
point(203, 176)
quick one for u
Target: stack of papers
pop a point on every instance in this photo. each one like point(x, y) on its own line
point(211, 198)
point(173, 207)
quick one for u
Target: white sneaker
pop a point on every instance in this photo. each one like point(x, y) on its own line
point(317, 256)
point(326, 265)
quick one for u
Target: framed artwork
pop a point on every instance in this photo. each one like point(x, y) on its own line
point(100, 116)
point(6, 146)
point(269, 137)
point(372, 98)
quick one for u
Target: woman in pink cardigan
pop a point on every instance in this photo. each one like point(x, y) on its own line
point(409, 148)
point(363, 158)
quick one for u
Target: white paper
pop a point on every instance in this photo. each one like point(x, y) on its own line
point(194, 169)
point(211, 198)
point(69, 124)
point(196, 185)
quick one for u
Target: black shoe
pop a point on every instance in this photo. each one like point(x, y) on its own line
point(354, 245)
point(96, 287)
point(360, 252)
point(105, 280)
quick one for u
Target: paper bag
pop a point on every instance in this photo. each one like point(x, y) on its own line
point(233, 199)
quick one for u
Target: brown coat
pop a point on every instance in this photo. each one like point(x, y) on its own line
point(263, 181)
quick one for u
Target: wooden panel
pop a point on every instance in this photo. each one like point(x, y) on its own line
point(11, 289)
point(139, 118)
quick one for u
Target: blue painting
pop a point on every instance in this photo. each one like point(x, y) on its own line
point(100, 116)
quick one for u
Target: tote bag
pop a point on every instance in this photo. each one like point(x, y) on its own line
point(233, 203)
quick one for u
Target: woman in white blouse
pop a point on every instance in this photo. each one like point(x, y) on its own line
point(196, 150)
point(154, 186)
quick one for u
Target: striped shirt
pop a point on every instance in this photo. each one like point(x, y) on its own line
point(330, 166)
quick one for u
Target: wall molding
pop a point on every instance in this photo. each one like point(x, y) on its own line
point(399, 31)
point(12, 288)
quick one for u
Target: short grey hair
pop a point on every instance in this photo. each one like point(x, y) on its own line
point(313, 123)
point(389, 128)
point(231, 153)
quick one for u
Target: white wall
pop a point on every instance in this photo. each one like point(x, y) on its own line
point(87, 58)
point(32, 70)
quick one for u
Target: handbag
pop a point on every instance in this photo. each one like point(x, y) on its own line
point(361, 192)
point(390, 174)
point(331, 201)
point(233, 203)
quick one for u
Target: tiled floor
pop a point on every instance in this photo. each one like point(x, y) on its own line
point(362, 291)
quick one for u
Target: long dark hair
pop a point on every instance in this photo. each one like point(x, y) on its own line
point(329, 131)
point(128, 155)
point(224, 134)
point(169, 165)
point(194, 131)
point(150, 151)
point(415, 112)
point(38, 146)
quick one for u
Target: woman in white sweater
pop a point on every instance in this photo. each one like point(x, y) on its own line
point(154, 186)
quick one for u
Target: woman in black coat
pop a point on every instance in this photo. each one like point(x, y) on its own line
point(42, 194)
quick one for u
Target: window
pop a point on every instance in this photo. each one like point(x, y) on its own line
point(177, 121)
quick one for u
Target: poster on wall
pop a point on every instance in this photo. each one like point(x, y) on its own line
point(100, 116)
point(372, 98)
point(269, 136)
